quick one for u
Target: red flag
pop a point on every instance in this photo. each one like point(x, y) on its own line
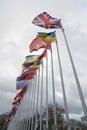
point(19, 95)
point(27, 77)
point(42, 55)
point(24, 77)
point(17, 101)
point(36, 44)
point(14, 110)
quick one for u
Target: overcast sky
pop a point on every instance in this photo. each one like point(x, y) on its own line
point(17, 32)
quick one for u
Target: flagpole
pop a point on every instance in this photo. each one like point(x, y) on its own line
point(30, 96)
point(35, 93)
point(46, 91)
point(41, 99)
point(20, 110)
point(24, 102)
point(37, 99)
point(76, 76)
point(33, 107)
point(54, 104)
point(31, 104)
point(28, 104)
point(62, 83)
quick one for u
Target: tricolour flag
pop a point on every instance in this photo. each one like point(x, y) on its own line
point(46, 21)
point(47, 37)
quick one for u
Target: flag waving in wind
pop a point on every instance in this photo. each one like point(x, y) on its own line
point(47, 37)
point(46, 21)
point(38, 43)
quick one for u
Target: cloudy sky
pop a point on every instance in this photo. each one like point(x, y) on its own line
point(17, 32)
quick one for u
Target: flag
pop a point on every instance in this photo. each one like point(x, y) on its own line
point(26, 65)
point(21, 93)
point(23, 68)
point(14, 109)
point(22, 83)
point(31, 58)
point(30, 61)
point(27, 71)
point(47, 37)
point(8, 113)
point(17, 101)
point(25, 77)
point(34, 68)
point(46, 21)
point(36, 44)
point(24, 90)
point(36, 62)
point(42, 55)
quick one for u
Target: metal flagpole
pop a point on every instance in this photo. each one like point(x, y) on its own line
point(31, 104)
point(23, 111)
point(20, 112)
point(37, 99)
point(30, 96)
point(62, 82)
point(22, 115)
point(76, 76)
point(46, 91)
point(54, 104)
point(34, 103)
point(28, 93)
point(41, 99)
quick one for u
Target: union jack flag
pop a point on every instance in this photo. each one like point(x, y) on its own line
point(46, 21)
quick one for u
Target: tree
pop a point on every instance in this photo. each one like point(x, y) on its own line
point(60, 117)
point(2, 125)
